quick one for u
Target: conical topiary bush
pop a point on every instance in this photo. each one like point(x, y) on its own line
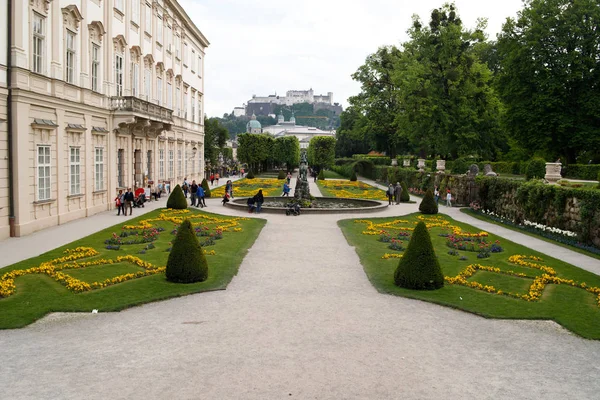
point(428, 205)
point(282, 174)
point(250, 175)
point(206, 188)
point(321, 175)
point(176, 199)
point(419, 267)
point(353, 177)
point(404, 196)
point(186, 263)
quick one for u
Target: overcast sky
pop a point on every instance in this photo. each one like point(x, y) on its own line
point(267, 47)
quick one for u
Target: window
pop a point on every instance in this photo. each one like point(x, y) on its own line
point(179, 162)
point(159, 30)
point(185, 105)
point(135, 72)
point(121, 168)
point(159, 90)
point(193, 107)
point(199, 65)
point(177, 46)
point(161, 163)
point(75, 170)
point(185, 54)
point(119, 5)
point(43, 169)
point(193, 60)
point(178, 101)
point(135, 11)
point(39, 41)
point(199, 161)
point(186, 164)
point(171, 164)
point(99, 169)
point(169, 38)
point(95, 67)
point(169, 95)
point(149, 18)
point(147, 85)
point(118, 75)
point(200, 109)
point(70, 57)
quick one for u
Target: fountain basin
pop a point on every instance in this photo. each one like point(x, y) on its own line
point(322, 205)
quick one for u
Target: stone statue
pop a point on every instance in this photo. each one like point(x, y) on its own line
point(473, 170)
point(303, 172)
point(487, 170)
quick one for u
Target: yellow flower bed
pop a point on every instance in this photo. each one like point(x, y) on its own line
point(54, 267)
point(354, 190)
point(535, 290)
point(249, 187)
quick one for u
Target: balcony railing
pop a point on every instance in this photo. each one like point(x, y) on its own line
point(139, 106)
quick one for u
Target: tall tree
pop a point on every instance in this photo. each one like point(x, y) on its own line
point(550, 76)
point(215, 137)
point(448, 106)
point(321, 151)
point(350, 137)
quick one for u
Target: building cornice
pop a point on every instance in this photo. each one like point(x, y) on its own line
point(188, 22)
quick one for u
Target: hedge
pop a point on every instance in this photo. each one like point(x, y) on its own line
point(377, 160)
point(588, 172)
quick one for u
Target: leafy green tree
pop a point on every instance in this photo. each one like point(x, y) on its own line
point(449, 107)
point(321, 151)
point(215, 137)
point(550, 76)
point(350, 137)
point(287, 152)
point(256, 150)
point(187, 263)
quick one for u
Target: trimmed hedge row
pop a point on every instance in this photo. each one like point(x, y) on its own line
point(588, 172)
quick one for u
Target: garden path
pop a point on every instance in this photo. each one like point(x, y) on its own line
point(300, 320)
point(572, 257)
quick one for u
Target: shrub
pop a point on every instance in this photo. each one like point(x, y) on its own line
point(186, 263)
point(428, 205)
point(206, 188)
point(250, 174)
point(353, 177)
point(281, 175)
point(321, 175)
point(419, 267)
point(582, 171)
point(461, 166)
point(177, 199)
point(536, 168)
point(404, 196)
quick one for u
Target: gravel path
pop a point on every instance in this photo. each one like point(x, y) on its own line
point(300, 320)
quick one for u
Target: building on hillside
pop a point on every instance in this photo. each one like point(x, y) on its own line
point(289, 128)
point(239, 111)
point(253, 126)
point(265, 105)
point(104, 95)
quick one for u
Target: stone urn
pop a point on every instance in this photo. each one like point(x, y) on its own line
point(421, 164)
point(441, 166)
point(406, 162)
point(394, 162)
point(553, 173)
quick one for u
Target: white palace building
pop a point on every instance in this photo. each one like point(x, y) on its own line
point(95, 96)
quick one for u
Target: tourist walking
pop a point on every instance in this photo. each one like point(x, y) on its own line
point(259, 201)
point(229, 188)
point(398, 191)
point(129, 197)
point(436, 194)
point(193, 191)
point(217, 176)
point(200, 195)
point(449, 198)
point(212, 179)
point(120, 203)
point(390, 194)
point(286, 190)
point(185, 190)
point(289, 177)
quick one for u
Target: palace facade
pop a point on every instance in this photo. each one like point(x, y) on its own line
point(99, 95)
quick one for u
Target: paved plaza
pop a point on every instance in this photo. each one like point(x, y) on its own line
point(300, 320)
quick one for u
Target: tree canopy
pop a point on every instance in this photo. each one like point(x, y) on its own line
point(321, 151)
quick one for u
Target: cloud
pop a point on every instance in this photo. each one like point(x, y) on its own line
point(264, 47)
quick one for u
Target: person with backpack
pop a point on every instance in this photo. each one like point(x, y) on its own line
point(200, 195)
point(390, 194)
point(120, 203)
point(193, 191)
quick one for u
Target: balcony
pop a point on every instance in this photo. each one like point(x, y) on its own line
point(134, 106)
point(139, 117)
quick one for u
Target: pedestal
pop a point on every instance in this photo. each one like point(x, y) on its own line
point(553, 173)
point(406, 162)
point(421, 164)
point(441, 166)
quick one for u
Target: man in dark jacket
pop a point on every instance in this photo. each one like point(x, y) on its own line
point(129, 197)
point(193, 190)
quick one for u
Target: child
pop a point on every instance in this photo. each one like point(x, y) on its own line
point(225, 198)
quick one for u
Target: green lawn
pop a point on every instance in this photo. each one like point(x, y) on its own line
point(480, 217)
point(249, 187)
point(332, 174)
point(347, 189)
point(38, 294)
point(574, 308)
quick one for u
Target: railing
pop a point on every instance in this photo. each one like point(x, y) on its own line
point(137, 105)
